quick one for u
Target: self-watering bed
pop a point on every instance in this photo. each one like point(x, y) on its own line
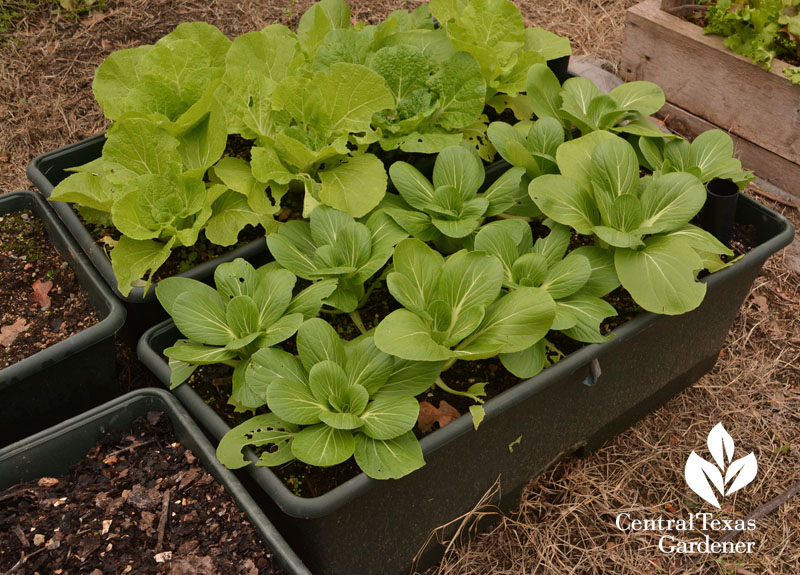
point(573, 406)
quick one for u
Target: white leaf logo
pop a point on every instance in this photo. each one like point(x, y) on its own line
point(701, 475)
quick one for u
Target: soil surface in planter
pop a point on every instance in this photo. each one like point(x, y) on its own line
point(41, 302)
point(139, 503)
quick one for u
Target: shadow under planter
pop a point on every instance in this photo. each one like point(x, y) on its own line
point(49, 169)
point(74, 374)
point(51, 453)
point(376, 527)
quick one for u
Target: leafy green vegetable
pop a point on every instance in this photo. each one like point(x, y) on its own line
point(451, 207)
point(579, 103)
point(453, 308)
point(644, 222)
point(335, 400)
point(494, 33)
point(153, 181)
point(250, 309)
point(759, 29)
point(709, 157)
point(334, 246)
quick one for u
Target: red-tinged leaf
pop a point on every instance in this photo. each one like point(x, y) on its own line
point(8, 333)
point(41, 289)
point(429, 414)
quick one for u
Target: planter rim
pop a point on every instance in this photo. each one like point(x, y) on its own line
point(328, 502)
point(203, 450)
point(98, 257)
point(106, 327)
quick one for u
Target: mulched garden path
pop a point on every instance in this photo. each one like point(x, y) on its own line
point(41, 302)
point(139, 503)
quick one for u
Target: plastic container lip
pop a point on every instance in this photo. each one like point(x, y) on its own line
point(779, 234)
point(111, 312)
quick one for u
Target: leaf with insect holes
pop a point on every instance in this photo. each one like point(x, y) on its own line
point(332, 394)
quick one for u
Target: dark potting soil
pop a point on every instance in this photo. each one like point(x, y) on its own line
point(41, 301)
point(139, 503)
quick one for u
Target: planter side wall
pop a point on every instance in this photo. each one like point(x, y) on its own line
point(371, 527)
point(75, 374)
point(702, 77)
point(53, 451)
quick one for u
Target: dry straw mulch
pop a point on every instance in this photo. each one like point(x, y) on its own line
point(565, 523)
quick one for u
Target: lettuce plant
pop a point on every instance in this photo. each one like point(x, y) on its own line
point(438, 94)
point(643, 221)
point(152, 180)
point(494, 33)
point(453, 309)
point(333, 401)
point(309, 126)
point(250, 309)
point(332, 245)
point(450, 208)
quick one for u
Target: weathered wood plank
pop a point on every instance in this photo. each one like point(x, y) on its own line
point(777, 170)
point(699, 75)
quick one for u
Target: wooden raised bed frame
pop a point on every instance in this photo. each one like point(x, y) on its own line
point(708, 86)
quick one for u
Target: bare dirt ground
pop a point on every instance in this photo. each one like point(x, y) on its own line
point(565, 523)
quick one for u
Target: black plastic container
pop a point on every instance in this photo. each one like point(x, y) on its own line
point(51, 453)
point(374, 527)
point(719, 211)
point(47, 170)
point(559, 67)
point(74, 374)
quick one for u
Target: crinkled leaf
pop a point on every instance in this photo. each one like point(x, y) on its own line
point(355, 186)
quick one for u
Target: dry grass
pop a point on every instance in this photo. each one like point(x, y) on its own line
point(565, 524)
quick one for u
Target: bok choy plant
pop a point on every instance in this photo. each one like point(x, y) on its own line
point(250, 309)
point(643, 221)
point(576, 283)
point(333, 245)
point(333, 401)
point(454, 309)
point(450, 208)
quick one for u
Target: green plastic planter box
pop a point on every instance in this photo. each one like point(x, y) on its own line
point(51, 452)
point(48, 169)
point(374, 527)
point(74, 374)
